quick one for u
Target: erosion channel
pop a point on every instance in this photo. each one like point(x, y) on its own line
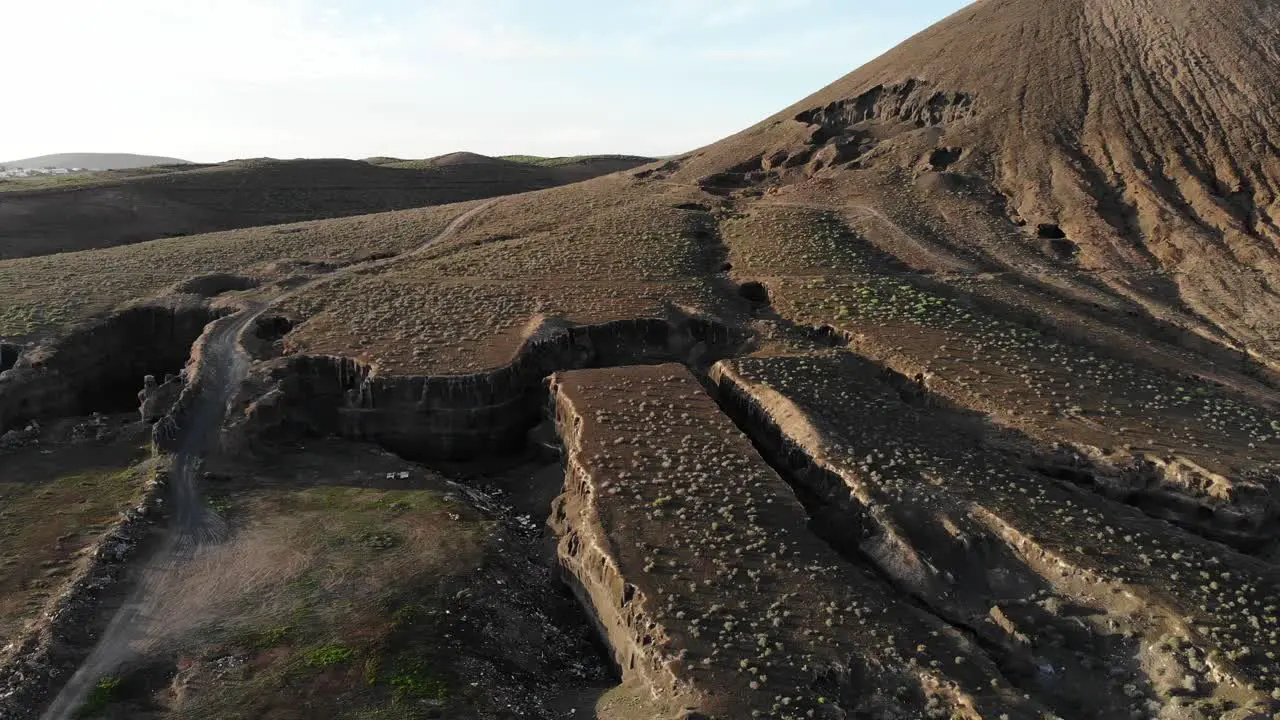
point(753, 535)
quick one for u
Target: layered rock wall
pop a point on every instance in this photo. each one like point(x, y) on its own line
point(462, 416)
point(101, 366)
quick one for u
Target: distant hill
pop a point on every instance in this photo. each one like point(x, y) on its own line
point(569, 169)
point(574, 159)
point(95, 161)
point(465, 158)
point(119, 207)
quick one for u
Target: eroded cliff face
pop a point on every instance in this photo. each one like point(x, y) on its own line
point(1064, 588)
point(621, 613)
point(101, 367)
point(459, 417)
point(1237, 506)
point(912, 101)
point(697, 563)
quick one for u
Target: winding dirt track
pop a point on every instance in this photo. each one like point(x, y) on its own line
point(221, 366)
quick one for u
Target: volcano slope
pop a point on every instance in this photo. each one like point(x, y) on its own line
point(78, 212)
point(948, 392)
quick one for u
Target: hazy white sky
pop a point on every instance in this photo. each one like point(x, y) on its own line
point(210, 80)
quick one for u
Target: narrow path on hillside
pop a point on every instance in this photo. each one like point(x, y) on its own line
point(219, 364)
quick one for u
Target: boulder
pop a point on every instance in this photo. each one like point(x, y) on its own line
point(157, 399)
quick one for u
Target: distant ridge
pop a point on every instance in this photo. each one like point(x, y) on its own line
point(95, 161)
point(469, 158)
point(127, 205)
point(465, 158)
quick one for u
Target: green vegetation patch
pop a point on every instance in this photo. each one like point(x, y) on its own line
point(417, 679)
point(219, 503)
point(104, 693)
point(72, 508)
point(328, 655)
point(271, 637)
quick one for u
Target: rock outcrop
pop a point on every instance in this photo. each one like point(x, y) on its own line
point(463, 416)
point(157, 399)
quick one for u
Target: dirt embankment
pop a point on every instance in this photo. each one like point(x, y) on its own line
point(100, 368)
point(456, 417)
point(71, 624)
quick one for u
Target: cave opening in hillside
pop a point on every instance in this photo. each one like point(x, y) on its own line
point(272, 327)
point(130, 346)
point(1049, 231)
point(101, 368)
point(754, 292)
point(1063, 249)
point(943, 158)
point(9, 353)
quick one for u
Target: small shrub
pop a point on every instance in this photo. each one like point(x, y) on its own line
point(378, 540)
point(416, 680)
point(409, 615)
point(219, 504)
point(105, 692)
point(328, 656)
point(271, 637)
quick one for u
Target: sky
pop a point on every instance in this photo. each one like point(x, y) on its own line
point(212, 80)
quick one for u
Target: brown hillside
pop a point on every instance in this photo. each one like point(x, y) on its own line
point(1143, 131)
point(128, 207)
point(949, 392)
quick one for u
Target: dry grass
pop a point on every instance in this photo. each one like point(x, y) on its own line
point(46, 295)
point(353, 585)
point(574, 159)
point(45, 182)
point(41, 296)
point(823, 274)
point(588, 253)
point(645, 239)
point(52, 506)
point(410, 325)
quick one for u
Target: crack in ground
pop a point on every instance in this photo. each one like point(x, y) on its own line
point(827, 518)
point(1157, 503)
